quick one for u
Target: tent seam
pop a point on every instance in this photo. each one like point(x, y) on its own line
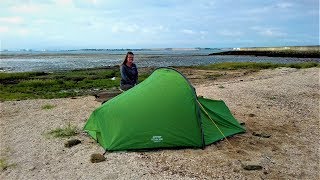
point(195, 101)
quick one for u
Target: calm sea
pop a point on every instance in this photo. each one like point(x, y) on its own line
point(23, 61)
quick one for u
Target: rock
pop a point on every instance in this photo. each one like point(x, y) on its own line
point(32, 168)
point(236, 170)
point(72, 142)
point(263, 135)
point(166, 168)
point(252, 115)
point(96, 158)
point(252, 167)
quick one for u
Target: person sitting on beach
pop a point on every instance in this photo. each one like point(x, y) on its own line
point(129, 72)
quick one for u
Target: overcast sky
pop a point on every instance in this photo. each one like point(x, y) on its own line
point(72, 24)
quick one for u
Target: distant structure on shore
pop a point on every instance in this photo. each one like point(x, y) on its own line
point(294, 48)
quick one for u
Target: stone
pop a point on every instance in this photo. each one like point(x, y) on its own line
point(252, 115)
point(72, 142)
point(252, 167)
point(96, 158)
point(263, 135)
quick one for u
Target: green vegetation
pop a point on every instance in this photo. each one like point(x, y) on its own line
point(48, 106)
point(64, 132)
point(272, 98)
point(4, 164)
point(256, 66)
point(33, 85)
point(289, 51)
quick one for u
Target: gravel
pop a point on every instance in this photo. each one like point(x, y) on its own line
point(283, 103)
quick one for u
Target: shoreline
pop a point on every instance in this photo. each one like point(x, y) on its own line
point(33, 63)
point(293, 54)
point(72, 83)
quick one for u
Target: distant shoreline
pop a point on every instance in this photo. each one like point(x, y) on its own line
point(270, 54)
point(294, 51)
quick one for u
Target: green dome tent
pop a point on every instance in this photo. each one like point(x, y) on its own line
point(163, 111)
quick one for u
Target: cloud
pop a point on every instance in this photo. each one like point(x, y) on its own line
point(56, 37)
point(11, 20)
point(64, 2)
point(188, 31)
point(259, 10)
point(204, 32)
point(42, 21)
point(122, 27)
point(271, 8)
point(207, 4)
point(154, 29)
point(313, 12)
point(93, 1)
point(26, 8)
point(155, 23)
point(270, 32)
point(284, 5)
point(23, 32)
point(138, 28)
point(230, 33)
point(4, 29)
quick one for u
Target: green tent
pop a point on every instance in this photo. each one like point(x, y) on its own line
point(163, 111)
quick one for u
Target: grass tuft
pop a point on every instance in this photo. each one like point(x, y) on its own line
point(5, 165)
point(64, 132)
point(48, 106)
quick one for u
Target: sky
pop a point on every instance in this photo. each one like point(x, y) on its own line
point(79, 24)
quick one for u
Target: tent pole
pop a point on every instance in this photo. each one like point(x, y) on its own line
point(214, 122)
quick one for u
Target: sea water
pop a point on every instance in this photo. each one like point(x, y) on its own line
point(47, 61)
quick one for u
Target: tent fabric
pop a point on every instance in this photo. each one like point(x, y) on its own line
point(222, 117)
point(160, 112)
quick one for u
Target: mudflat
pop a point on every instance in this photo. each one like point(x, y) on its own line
point(280, 110)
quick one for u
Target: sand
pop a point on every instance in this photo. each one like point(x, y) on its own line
point(283, 103)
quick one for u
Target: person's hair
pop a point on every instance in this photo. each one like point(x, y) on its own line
point(125, 59)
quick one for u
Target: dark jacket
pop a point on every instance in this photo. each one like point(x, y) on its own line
point(129, 75)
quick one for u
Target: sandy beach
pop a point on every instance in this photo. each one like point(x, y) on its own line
point(282, 103)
